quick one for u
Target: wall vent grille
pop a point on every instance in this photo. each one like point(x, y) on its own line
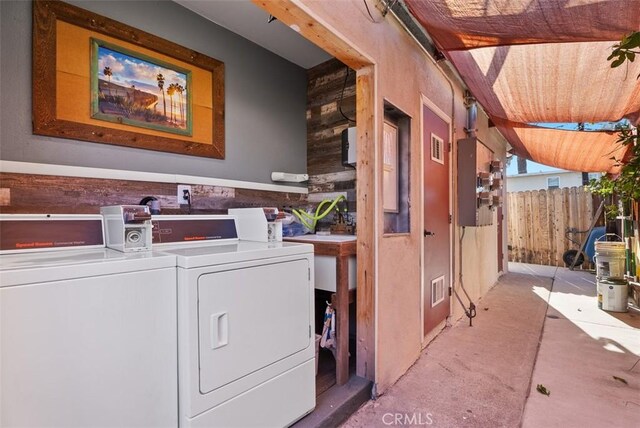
point(437, 290)
point(437, 149)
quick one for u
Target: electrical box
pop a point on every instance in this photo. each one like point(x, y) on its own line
point(349, 138)
point(480, 182)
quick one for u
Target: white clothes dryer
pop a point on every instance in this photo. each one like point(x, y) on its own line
point(246, 348)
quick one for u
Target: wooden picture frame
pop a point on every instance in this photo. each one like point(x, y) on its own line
point(65, 85)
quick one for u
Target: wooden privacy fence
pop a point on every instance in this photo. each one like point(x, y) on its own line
point(538, 219)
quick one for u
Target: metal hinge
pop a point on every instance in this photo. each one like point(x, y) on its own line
point(450, 288)
point(450, 218)
point(309, 274)
point(449, 147)
point(309, 332)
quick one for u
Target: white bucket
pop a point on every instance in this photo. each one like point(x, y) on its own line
point(614, 295)
point(610, 259)
point(599, 292)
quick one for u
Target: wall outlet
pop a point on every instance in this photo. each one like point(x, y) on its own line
point(182, 198)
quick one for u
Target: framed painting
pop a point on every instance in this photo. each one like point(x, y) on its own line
point(128, 87)
point(99, 80)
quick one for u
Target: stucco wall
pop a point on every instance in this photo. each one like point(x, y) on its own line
point(402, 73)
point(479, 258)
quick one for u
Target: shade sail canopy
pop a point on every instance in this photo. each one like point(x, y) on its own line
point(559, 82)
point(584, 151)
point(542, 61)
point(465, 24)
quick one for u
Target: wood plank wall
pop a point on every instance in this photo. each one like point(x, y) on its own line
point(537, 221)
point(325, 123)
point(46, 194)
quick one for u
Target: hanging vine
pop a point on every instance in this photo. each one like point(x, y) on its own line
point(626, 185)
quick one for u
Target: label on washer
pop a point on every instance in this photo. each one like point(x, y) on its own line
point(18, 235)
point(165, 231)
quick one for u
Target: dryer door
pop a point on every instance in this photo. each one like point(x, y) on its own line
point(251, 317)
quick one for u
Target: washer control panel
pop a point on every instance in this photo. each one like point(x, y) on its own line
point(128, 227)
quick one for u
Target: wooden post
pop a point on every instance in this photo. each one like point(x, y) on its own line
point(342, 313)
point(366, 220)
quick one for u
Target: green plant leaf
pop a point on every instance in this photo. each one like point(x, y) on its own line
point(633, 40)
point(618, 62)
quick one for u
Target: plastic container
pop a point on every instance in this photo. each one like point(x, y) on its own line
point(598, 293)
point(610, 259)
point(613, 295)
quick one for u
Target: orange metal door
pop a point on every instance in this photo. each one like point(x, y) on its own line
point(437, 241)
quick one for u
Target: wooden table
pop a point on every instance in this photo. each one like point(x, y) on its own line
point(340, 300)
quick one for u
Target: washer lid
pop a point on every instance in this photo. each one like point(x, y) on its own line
point(46, 266)
point(232, 252)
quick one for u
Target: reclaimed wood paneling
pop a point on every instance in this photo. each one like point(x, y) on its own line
point(327, 175)
point(538, 220)
point(325, 124)
point(46, 194)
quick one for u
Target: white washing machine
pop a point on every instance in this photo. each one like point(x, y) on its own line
point(246, 348)
point(88, 335)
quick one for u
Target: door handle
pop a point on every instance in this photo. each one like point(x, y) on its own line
point(219, 330)
point(428, 233)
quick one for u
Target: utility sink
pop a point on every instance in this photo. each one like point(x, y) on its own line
point(325, 265)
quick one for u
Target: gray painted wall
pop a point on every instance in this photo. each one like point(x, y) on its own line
point(265, 99)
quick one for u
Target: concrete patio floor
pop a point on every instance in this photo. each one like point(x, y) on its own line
point(538, 325)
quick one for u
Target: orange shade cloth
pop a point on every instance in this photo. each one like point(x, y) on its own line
point(584, 151)
point(543, 61)
point(465, 24)
point(559, 82)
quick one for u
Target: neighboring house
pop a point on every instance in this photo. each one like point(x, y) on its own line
point(541, 177)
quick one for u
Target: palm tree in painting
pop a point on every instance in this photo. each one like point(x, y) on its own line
point(160, 79)
point(108, 73)
point(180, 90)
point(170, 91)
